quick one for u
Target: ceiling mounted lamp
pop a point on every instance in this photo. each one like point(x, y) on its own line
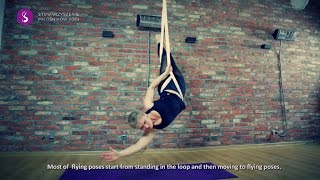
point(299, 4)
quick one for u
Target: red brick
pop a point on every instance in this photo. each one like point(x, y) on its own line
point(72, 68)
point(80, 133)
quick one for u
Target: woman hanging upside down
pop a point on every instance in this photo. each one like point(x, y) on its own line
point(160, 113)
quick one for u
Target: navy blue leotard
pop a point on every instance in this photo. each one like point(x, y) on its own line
point(168, 106)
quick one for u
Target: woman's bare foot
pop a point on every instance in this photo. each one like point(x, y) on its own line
point(158, 38)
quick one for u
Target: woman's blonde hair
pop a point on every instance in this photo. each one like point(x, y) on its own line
point(133, 117)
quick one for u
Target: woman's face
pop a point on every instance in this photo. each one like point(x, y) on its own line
point(144, 123)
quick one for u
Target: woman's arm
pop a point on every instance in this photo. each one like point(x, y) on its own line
point(147, 137)
point(148, 100)
point(160, 78)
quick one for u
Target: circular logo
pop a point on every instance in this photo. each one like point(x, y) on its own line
point(24, 17)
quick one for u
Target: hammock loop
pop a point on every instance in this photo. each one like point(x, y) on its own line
point(165, 34)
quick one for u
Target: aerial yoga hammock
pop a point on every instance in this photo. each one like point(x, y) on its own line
point(159, 113)
point(165, 32)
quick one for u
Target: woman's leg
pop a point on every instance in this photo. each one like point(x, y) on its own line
point(175, 70)
point(163, 66)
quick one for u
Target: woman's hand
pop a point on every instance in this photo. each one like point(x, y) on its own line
point(168, 70)
point(111, 155)
point(160, 78)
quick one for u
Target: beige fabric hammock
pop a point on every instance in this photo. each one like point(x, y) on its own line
point(165, 34)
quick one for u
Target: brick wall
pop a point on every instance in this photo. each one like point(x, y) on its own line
point(62, 79)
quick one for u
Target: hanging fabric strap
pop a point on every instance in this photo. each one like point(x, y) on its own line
point(165, 34)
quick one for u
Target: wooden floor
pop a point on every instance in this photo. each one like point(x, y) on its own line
point(299, 160)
